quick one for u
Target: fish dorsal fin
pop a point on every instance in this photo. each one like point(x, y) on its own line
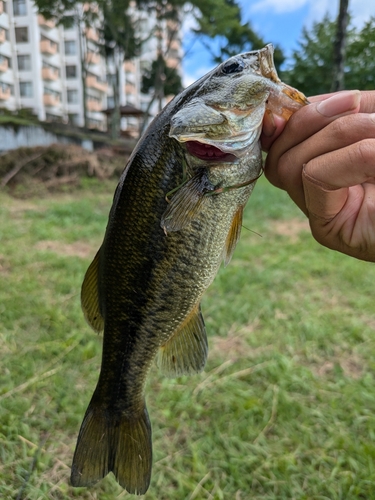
point(186, 203)
point(185, 353)
point(233, 235)
point(90, 296)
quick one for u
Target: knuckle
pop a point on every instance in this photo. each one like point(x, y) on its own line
point(365, 151)
point(340, 127)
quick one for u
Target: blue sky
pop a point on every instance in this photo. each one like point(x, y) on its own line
point(277, 21)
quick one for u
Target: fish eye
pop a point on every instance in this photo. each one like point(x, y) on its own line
point(233, 66)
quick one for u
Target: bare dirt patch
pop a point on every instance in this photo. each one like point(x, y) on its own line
point(350, 363)
point(291, 228)
point(235, 345)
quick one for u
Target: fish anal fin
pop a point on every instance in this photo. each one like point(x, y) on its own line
point(186, 203)
point(185, 353)
point(114, 442)
point(233, 235)
point(90, 296)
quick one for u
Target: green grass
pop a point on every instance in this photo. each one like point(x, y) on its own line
point(285, 408)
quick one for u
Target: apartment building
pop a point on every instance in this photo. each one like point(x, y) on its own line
point(41, 68)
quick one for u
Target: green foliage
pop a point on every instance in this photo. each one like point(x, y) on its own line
point(161, 73)
point(311, 68)
point(221, 20)
point(118, 29)
point(68, 12)
point(285, 407)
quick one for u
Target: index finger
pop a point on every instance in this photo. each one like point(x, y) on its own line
point(367, 100)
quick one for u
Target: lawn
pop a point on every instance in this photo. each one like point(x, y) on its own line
point(285, 408)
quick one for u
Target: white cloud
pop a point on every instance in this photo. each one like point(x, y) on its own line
point(360, 10)
point(278, 6)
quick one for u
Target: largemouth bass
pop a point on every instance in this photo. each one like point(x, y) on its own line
point(176, 215)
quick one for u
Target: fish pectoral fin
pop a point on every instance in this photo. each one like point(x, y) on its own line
point(90, 296)
point(186, 203)
point(112, 441)
point(233, 235)
point(185, 353)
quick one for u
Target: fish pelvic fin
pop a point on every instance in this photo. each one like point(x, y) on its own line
point(114, 443)
point(185, 353)
point(233, 235)
point(90, 296)
point(186, 203)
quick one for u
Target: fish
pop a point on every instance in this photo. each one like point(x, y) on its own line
point(176, 216)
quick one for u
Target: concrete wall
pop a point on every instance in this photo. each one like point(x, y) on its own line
point(30, 136)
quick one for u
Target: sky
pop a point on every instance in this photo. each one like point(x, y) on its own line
point(276, 21)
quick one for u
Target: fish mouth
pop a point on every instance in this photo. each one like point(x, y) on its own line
point(208, 152)
point(229, 150)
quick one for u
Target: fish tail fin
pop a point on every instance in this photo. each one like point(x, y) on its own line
point(114, 442)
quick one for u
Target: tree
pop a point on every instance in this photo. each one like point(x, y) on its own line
point(172, 83)
point(69, 13)
point(118, 36)
point(120, 42)
point(219, 19)
point(339, 47)
point(222, 21)
point(311, 68)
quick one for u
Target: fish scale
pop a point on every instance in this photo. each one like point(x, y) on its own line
point(176, 215)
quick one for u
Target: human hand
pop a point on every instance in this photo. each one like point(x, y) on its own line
point(324, 157)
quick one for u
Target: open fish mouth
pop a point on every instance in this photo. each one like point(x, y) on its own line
point(208, 152)
point(230, 149)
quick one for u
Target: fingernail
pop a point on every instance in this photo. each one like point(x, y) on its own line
point(340, 103)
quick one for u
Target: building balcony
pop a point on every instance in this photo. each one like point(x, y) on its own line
point(173, 62)
point(48, 47)
point(46, 23)
point(130, 89)
point(129, 66)
point(175, 45)
point(94, 83)
point(93, 105)
point(51, 100)
point(92, 34)
point(50, 74)
point(4, 65)
point(92, 58)
point(4, 93)
point(2, 36)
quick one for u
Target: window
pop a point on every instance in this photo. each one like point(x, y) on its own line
point(70, 47)
point(73, 118)
point(5, 62)
point(26, 89)
point(72, 96)
point(19, 8)
point(71, 71)
point(5, 35)
point(22, 34)
point(54, 93)
point(110, 102)
point(111, 79)
point(24, 62)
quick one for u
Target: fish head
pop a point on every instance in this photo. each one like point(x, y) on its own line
point(220, 116)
